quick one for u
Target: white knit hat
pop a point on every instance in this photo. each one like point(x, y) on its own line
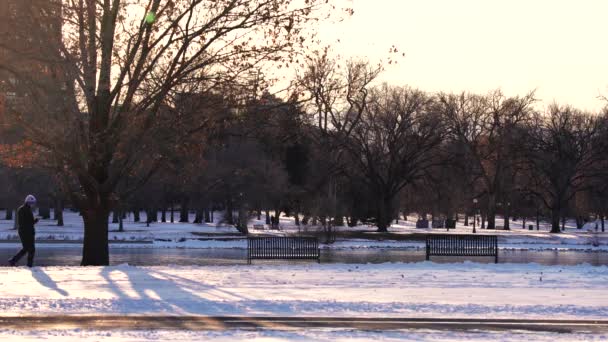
point(30, 199)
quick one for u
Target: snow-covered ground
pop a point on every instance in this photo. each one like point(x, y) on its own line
point(317, 335)
point(426, 289)
point(386, 290)
point(216, 235)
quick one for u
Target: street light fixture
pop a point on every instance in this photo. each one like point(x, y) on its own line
point(474, 215)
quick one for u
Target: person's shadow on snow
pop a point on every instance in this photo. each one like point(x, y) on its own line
point(46, 281)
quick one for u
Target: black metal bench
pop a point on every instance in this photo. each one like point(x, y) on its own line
point(283, 248)
point(461, 245)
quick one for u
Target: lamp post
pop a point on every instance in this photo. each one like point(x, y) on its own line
point(474, 215)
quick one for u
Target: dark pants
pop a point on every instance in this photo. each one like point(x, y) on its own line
point(27, 240)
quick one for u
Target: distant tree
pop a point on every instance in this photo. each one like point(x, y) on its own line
point(394, 144)
point(336, 97)
point(484, 125)
point(563, 147)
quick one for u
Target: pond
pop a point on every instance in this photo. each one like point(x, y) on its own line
point(149, 256)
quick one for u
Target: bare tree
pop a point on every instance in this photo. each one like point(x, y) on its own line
point(563, 147)
point(336, 96)
point(485, 125)
point(120, 63)
point(393, 144)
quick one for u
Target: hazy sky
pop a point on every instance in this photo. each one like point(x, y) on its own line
point(558, 47)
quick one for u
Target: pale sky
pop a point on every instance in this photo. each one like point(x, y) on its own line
point(558, 47)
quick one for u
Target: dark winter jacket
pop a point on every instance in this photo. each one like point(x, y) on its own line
point(26, 219)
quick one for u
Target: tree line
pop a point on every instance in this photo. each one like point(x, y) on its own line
point(120, 106)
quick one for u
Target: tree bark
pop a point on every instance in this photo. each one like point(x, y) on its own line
point(163, 215)
point(95, 251)
point(579, 222)
point(198, 218)
point(466, 220)
point(602, 219)
point(9, 214)
point(267, 216)
point(115, 216)
point(229, 217)
point(491, 214)
point(507, 225)
point(136, 217)
point(183, 213)
point(172, 212)
point(555, 216)
point(148, 217)
point(384, 214)
point(121, 228)
point(207, 215)
point(58, 212)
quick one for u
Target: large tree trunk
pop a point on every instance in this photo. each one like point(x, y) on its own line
point(198, 218)
point(466, 220)
point(385, 213)
point(9, 214)
point(95, 251)
point(579, 222)
point(491, 214)
point(121, 227)
point(555, 216)
point(229, 217)
point(59, 212)
point(136, 217)
point(267, 217)
point(183, 213)
point(507, 225)
point(207, 215)
point(602, 219)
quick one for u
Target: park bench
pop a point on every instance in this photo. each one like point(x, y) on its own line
point(283, 248)
point(461, 245)
point(258, 227)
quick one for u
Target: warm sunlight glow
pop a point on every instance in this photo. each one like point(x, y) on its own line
point(557, 47)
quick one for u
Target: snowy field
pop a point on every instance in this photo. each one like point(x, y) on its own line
point(424, 289)
point(216, 235)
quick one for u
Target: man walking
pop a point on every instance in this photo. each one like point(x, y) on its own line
point(26, 221)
